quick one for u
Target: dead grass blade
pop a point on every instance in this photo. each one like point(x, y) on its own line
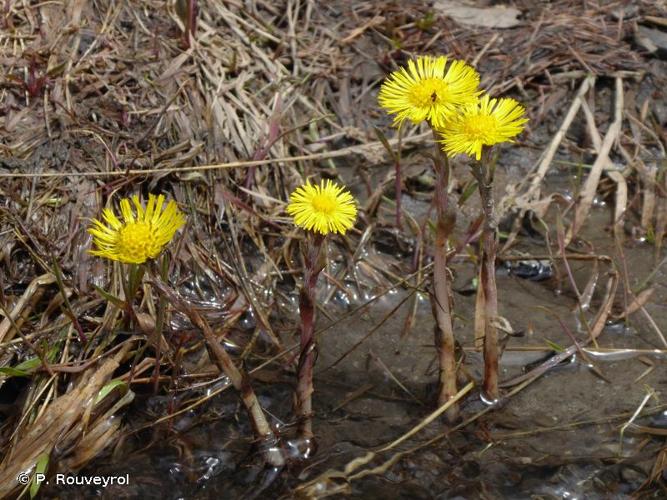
point(31, 290)
point(591, 185)
point(321, 486)
point(56, 423)
point(533, 189)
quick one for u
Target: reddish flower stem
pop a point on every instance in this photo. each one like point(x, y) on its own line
point(441, 299)
point(398, 186)
point(483, 172)
point(304, 389)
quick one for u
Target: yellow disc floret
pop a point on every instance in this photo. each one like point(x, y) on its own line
point(139, 237)
point(327, 208)
point(484, 123)
point(429, 89)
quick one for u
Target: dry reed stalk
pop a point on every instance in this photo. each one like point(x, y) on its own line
point(548, 155)
point(590, 186)
point(614, 173)
point(441, 298)
point(529, 197)
point(370, 149)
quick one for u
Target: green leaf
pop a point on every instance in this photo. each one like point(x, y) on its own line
point(426, 22)
point(383, 139)
point(104, 391)
point(33, 363)
point(431, 225)
point(29, 364)
point(110, 297)
point(14, 372)
point(27, 367)
point(467, 191)
point(554, 346)
point(40, 468)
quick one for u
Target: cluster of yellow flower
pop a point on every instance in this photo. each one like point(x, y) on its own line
point(327, 208)
point(448, 97)
point(139, 237)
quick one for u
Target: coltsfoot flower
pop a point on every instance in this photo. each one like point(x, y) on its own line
point(429, 89)
point(484, 123)
point(327, 208)
point(138, 237)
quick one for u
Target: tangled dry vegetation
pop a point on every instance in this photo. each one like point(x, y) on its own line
point(100, 99)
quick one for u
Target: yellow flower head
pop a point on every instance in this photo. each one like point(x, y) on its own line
point(327, 208)
point(138, 237)
point(429, 90)
point(485, 123)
